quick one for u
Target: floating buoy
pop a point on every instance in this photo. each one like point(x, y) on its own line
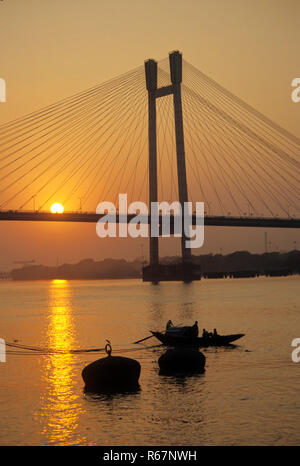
point(112, 374)
point(181, 361)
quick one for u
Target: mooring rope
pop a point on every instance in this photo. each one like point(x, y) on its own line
point(29, 349)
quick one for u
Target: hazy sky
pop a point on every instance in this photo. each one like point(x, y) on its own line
point(53, 48)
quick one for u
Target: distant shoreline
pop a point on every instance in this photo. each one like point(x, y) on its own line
point(235, 265)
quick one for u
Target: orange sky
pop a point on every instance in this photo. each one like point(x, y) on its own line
point(54, 48)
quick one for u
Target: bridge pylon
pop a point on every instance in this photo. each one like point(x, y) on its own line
point(175, 59)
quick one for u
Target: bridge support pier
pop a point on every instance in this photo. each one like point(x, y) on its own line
point(151, 83)
point(154, 93)
point(176, 78)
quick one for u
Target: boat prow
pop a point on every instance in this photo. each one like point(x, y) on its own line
point(235, 337)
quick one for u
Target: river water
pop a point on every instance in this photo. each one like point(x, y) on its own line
point(248, 395)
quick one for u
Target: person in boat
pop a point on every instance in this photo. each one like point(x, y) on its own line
point(169, 324)
point(195, 329)
point(215, 334)
point(204, 333)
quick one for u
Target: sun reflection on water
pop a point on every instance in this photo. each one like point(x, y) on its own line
point(60, 406)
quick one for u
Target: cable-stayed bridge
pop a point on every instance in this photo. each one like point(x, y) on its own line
point(176, 135)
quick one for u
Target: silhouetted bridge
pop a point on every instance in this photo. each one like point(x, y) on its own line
point(90, 217)
point(114, 136)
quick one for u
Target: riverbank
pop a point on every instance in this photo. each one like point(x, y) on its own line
point(239, 264)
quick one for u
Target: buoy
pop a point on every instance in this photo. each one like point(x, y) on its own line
point(181, 361)
point(112, 374)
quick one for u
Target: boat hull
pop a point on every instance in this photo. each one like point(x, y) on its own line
point(200, 342)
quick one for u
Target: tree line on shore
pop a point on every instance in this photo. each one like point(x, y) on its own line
point(212, 265)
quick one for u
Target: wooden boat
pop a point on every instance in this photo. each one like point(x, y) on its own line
point(174, 340)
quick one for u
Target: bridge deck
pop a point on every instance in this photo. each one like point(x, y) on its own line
point(90, 217)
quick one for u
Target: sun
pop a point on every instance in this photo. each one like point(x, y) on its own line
point(57, 208)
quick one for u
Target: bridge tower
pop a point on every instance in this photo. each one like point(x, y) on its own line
point(175, 59)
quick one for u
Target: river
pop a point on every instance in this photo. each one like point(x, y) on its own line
point(248, 394)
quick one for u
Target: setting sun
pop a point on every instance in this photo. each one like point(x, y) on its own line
point(57, 208)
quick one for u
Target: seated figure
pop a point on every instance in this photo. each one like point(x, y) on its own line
point(169, 324)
